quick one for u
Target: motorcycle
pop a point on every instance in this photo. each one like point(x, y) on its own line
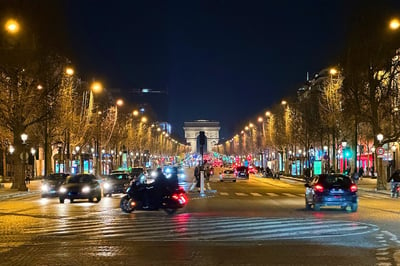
point(140, 197)
point(395, 190)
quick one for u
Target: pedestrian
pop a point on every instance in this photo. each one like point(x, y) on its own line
point(196, 179)
point(360, 172)
point(27, 179)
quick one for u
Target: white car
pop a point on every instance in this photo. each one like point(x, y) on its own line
point(227, 175)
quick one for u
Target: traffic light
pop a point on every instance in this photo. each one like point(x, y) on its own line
point(347, 153)
point(202, 138)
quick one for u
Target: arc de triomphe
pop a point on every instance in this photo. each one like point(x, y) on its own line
point(192, 131)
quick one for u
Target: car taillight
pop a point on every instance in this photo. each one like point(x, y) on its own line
point(353, 188)
point(319, 188)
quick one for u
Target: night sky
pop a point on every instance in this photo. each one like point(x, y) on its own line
point(227, 61)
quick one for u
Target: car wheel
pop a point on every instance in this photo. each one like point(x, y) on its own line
point(234, 181)
point(71, 200)
point(90, 199)
point(317, 207)
point(98, 198)
point(222, 180)
point(61, 200)
point(354, 207)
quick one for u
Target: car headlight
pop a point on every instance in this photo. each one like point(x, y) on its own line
point(86, 189)
point(63, 190)
point(45, 187)
point(107, 185)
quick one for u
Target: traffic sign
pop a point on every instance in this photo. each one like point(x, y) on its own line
point(380, 151)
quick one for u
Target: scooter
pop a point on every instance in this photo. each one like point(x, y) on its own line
point(140, 197)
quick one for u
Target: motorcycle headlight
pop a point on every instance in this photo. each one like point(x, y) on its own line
point(86, 189)
point(63, 190)
point(45, 187)
point(107, 185)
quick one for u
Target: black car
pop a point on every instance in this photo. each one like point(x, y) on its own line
point(51, 184)
point(331, 190)
point(136, 172)
point(82, 186)
point(115, 183)
point(242, 172)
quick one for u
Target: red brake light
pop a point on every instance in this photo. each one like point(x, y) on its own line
point(353, 188)
point(319, 188)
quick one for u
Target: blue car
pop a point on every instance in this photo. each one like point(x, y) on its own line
point(331, 190)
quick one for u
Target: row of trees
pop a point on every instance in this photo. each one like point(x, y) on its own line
point(42, 97)
point(358, 99)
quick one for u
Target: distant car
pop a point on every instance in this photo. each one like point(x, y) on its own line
point(331, 190)
point(242, 172)
point(136, 172)
point(252, 170)
point(227, 175)
point(51, 184)
point(115, 183)
point(82, 186)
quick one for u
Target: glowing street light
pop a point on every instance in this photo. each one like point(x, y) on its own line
point(120, 102)
point(333, 71)
point(12, 26)
point(394, 24)
point(96, 87)
point(69, 71)
point(24, 137)
point(379, 137)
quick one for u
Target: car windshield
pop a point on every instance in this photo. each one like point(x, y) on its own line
point(80, 179)
point(55, 177)
point(119, 177)
point(228, 172)
point(335, 181)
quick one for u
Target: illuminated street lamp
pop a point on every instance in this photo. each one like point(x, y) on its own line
point(96, 87)
point(12, 26)
point(69, 71)
point(33, 152)
point(333, 71)
point(379, 137)
point(24, 138)
point(394, 24)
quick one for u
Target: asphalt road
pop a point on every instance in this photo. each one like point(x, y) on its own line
point(251, 222)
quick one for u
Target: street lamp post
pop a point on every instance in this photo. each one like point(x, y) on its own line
point(24, 138)
point(344, 145)
point(393, 148)
point(33, 152)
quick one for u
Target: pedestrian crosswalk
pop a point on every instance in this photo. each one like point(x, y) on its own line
point(185, 227)
point(288, 195)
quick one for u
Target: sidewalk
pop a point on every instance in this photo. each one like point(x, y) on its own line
point(7, 193)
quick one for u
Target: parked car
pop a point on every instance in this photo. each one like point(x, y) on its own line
point(227, 175)
point(115, 183)
point(242, 172)
point(51, 184)
point(82, 186)
point(331, 190)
